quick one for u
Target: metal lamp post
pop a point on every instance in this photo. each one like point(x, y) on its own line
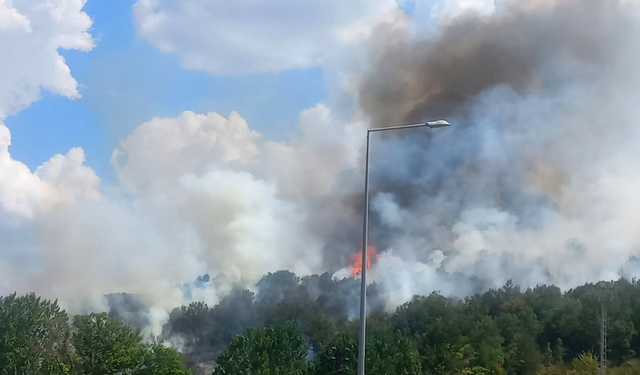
point(365, 234)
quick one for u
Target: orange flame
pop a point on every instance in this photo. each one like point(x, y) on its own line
point(355, 260)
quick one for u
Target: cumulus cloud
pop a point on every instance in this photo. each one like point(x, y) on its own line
point(10, 18)
point(224, 37)
point(31, 32)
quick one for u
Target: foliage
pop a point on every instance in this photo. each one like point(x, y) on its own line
point(387, 351)
point(107, 346)
point(585, 364)
point(162, 360)
point(265, 351)
point(37, 339)
point(631, 367)
point(34, 337)
point(502, 331)
point(558, 352)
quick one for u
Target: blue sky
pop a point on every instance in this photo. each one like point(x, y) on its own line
point(125, 81)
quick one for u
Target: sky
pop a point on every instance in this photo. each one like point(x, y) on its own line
point(124, 81)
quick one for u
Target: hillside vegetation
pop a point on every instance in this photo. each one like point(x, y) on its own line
point(302, 326)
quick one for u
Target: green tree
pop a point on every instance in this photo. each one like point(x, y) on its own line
point(270, 350)
point(486, 342)
point(585, 364)
point(523, 356)
point(34, 337)
point(162, 360)
point(339, 356)
point(437, 324)
point(388, 351)
point(108, 346)
point(558, 353)
point(192, 322)
point(547, 357)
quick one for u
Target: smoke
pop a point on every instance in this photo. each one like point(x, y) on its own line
point(535, 181)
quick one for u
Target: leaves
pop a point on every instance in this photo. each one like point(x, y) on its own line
point(34, 337)
point(278, 349)
point(37, 339)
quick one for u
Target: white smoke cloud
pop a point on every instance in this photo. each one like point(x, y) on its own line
point(163, 150)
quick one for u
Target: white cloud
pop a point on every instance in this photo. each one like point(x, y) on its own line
point(10, 18)
point(30, 34)
point(20, 190)
point(251, 36)
point(68, 174)
point(63, 178)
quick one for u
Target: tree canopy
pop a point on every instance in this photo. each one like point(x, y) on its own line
point(36, 338)
point(298, 326)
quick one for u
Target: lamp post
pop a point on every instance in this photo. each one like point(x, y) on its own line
point(365, 232)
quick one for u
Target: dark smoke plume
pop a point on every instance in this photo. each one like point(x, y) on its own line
point(542, 157)
point(529, 50)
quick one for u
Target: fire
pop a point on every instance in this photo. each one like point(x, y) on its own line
point(355, 260)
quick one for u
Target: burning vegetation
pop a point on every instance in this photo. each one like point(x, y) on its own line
point(355, 260)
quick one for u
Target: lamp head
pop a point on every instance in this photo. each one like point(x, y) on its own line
point(438, 124)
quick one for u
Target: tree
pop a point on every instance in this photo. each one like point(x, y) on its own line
point(486, 342)
point(437, 324)
point(558, 353)
point(108, 346)
point(387, 352)
point(339, 356)
point(273, 350)
point(520, 328)
point(34, 337)
point(585, 364)
point(547, 357)
point(163, 361)
point(523, 356)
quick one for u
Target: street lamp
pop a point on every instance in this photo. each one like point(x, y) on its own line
point(365, 235)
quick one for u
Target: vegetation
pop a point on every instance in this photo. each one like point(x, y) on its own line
point(502, 331)
point(37, 339)
point(288, 327)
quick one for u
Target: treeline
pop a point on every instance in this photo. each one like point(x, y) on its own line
point(38, 338)
point(305, 326)
point(321, 305)
point(501, 331)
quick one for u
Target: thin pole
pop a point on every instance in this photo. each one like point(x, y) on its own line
point(603, 339)
point(363, 280)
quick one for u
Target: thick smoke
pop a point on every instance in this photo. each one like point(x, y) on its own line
point(535, 181)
